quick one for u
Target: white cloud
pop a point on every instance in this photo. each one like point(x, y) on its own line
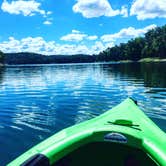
point(75, 31)
point(109, 44)
point(98, 46)
point(49, 12)
point(124, 11)
point(126, 33)
point(77, 36)
point(92, 37)
point(148, 9)
point(28, 44)
point(39, 45)
point(73, 37)
point(47, 22)
point(26, 8)
point(97, 8)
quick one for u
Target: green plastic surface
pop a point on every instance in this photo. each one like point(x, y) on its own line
point(125, 119)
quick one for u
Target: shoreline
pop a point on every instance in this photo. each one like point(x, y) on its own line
point(152, 60)
point(144, 60)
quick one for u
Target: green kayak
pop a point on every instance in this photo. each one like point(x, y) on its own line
point(122, 136)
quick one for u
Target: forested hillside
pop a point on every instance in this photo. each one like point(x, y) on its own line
point(153, 44)
point(32, 58)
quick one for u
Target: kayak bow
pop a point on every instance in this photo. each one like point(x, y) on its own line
point(120, 136)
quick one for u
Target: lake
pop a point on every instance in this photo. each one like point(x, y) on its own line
point(36, 101)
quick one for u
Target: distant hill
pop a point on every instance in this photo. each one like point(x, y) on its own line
point(33, 58)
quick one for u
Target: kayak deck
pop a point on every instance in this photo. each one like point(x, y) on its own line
point(123, 129)
point(105, 154)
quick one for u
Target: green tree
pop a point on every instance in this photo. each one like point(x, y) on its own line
point(134, 48)
point(153, 44)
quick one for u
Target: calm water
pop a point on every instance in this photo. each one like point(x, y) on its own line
point(37, 101)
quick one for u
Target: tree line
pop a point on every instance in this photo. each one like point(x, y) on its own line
point(33, 58)
point(152, 45)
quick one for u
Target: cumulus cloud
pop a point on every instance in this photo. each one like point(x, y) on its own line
point(98, 46)
point(28, 44)
point(75, 31)
point(49, 12)
point(109, 44)
point(47, 22)
point(148, 9)
point(97, 8)
point(73, 37)
point(39, 45)
point(124, 11)
point(26, 8)
point(77, 36)
point(92, 37)
point(129, 32)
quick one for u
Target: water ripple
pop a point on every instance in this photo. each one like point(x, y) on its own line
point(37, 101)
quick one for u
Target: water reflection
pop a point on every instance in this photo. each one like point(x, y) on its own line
point(152, 74)
point(37, 101)
point(2, 70)
point(146, 83)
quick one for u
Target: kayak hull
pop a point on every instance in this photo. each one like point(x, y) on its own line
point(121, 130)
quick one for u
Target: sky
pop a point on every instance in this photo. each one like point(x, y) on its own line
point(66, 27)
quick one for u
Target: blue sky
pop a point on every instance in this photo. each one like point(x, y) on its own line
point(75, 26)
